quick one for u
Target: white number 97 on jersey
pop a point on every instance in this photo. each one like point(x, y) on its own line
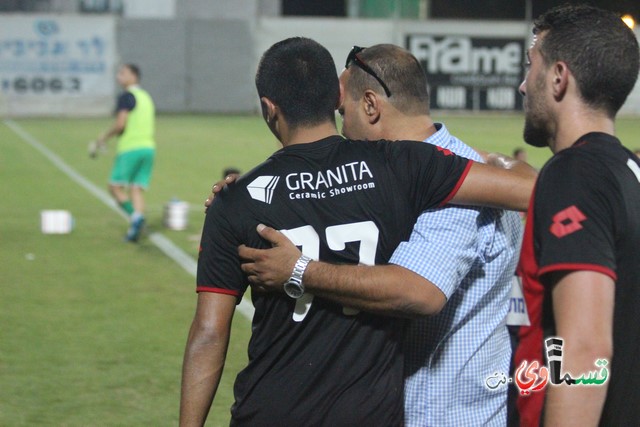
point(365, 232)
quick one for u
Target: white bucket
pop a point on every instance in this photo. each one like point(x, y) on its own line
point(176, 214)
point(56, 222)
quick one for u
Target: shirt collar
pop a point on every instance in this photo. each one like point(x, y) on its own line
point(441, 138)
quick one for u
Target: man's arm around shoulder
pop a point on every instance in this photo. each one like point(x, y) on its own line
point(205, 355)
point(383, 289)
point(496, 187)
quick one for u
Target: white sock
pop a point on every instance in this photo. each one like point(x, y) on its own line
point(135, 216)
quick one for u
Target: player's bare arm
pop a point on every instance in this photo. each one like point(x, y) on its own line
point(517, 182)
point(505, 162)
point(583, 303)
point(204, 356)
point(116, 128)
point(385, 289)
point(376, 289)
point(487, 185)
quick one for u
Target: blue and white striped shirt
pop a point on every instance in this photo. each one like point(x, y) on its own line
point(470, 254)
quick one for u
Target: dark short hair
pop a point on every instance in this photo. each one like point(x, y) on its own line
point(599, 49)
point(517, 151)
point(228, 171)
point(299, 76)
point(134, 69)
point(400, 71)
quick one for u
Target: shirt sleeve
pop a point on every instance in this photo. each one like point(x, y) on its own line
point(218, 262)
point(435, 173)
point(574, 214)
point(442, 247)
point(126, 101)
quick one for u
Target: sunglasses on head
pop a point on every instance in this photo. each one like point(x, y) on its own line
point(353, 58)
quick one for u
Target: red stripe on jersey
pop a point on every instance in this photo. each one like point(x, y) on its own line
point(444, 151)
point(578, 267)
point(531, 337)
point(458, 184)
point(217, 290)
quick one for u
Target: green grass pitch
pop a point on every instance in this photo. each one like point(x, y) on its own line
point(92, 329)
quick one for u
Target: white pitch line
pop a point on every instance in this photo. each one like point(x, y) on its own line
point(165, 245)
point(60, 164)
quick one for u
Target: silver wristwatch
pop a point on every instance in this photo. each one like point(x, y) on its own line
point(294, 287)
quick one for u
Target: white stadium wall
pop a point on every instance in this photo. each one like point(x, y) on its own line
point(65, 64)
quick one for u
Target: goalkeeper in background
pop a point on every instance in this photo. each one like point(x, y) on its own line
point(134, 126)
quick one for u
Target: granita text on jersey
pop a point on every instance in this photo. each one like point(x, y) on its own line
point(340, 180)
point(348, 172)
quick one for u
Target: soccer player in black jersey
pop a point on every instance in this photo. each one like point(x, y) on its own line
point(312, 361)
point(580, 258)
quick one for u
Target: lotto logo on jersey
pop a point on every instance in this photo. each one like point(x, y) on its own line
point(567, 221)
point(262, 187)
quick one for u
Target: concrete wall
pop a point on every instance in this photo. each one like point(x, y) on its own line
point(158, 47)
point(192, 65)
point(220, 66)
point(338, 35)
point(208, 65)
point(204, 58)
point(632, 106)
point(218, 9)
point(203, 65)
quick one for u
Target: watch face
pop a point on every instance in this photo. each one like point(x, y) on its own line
point(294, 290)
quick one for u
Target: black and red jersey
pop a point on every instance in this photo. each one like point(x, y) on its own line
point(585, 215)
point(312, 361)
